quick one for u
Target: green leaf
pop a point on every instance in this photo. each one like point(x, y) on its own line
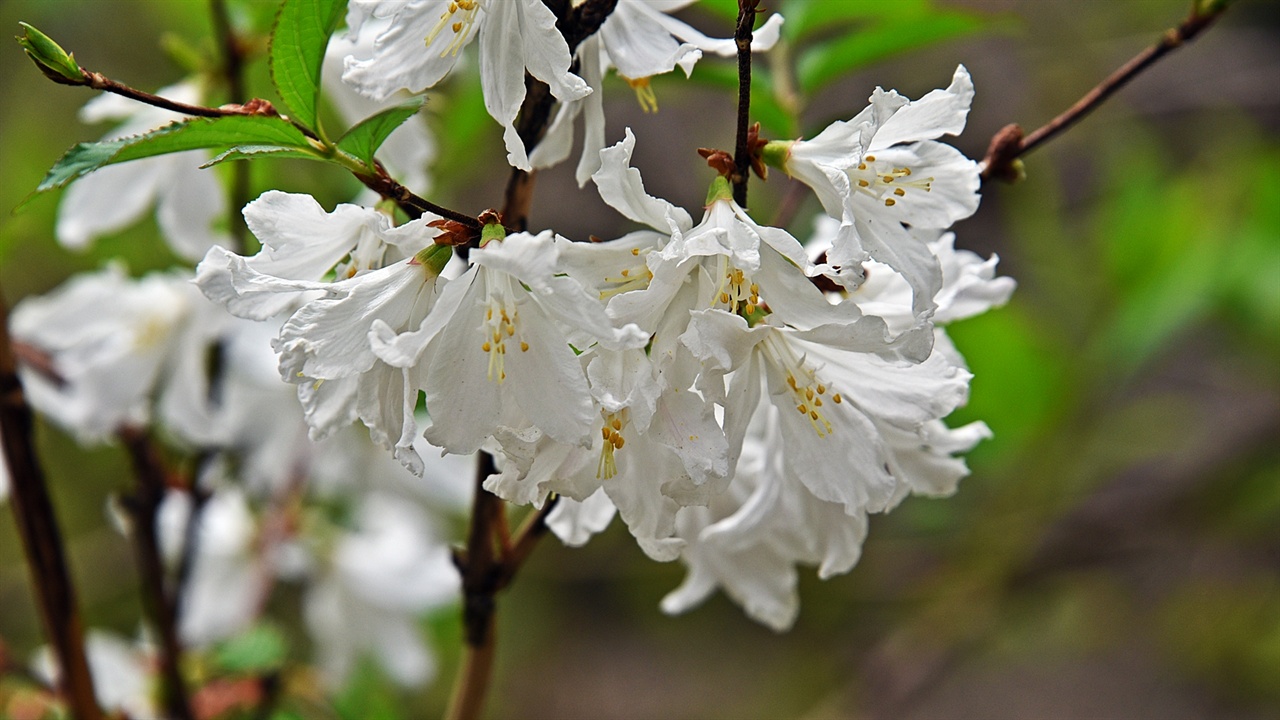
point(259, 649)
point(363, 140)
point(827, 61)
point(248, 152)
point(298, 42)
point(196, 134)
point(57, 64)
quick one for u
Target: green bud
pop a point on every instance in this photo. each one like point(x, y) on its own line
point(492, 231)
point(1210, 7)
point(433, 258)
point(776, 152)
point(720, 190)
point(57, 64)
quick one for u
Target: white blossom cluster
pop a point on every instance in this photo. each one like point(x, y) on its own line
point(689, 377)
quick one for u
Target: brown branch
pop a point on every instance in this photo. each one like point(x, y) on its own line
point(575, 24)
point(381, 183)
point(158, 599)
point(1009, 143)
point(742, 36)
point(41, 537)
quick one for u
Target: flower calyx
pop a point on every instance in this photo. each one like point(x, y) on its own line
point(491, 227)
point(720, 161)
point(454, 233)
point(755, 149)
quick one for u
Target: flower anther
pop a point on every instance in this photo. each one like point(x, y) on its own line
point(881, 180)
point(807, 390)
point(461, 27)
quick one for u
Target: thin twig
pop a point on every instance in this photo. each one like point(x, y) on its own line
point(379, 182)
point(41, 537)
point(1009, 143)
point(157, 598)
point(742, 36)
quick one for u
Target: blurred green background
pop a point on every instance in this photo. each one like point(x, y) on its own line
point(1116, 551)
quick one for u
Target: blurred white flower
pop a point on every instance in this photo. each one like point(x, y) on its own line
point(123, 677)
point(188, 200)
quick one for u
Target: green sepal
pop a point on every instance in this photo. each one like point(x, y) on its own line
point(298, 41)
point(57, 64)
point(363, 140)
point(196, 134)
point(433, 258)
point(492, 231)
point(776, 152)
point(720, 190)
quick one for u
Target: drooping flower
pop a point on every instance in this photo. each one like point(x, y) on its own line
point(385, 274)
point(503, 341)
point(188, 200)
point(890, 183)
point(425, 37)
point(827, 434)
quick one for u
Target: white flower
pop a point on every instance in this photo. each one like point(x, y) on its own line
point(890, 183)
point(188, 200)
point(228, 583)
point(301, 242)
point(386, 572)
point(750, 538)
point(425, 37)
point(811, 468)
point(656, 450)
point(116, 345)
point(123, 673)
point(502, 340)
point(640, 39)
point(328, 342)
point(324, 346)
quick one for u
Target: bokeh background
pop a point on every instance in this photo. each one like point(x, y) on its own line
point(1116, 551)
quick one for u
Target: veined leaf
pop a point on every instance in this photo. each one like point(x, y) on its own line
point(298, 42)
point(827, 61)
point(247, 152)
point(196, 134)
point(363, 140)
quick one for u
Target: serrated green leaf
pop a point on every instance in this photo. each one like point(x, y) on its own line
point(827, 61)
point(248, 152)
point(195, 134)
point(298, 42)
point(259, 649)
point(363, 140)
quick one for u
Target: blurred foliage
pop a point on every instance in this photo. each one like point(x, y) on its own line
point(1124, 522)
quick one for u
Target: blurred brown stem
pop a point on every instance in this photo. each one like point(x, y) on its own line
point(1009, 143)
point(41, 537)
point(158, 599)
